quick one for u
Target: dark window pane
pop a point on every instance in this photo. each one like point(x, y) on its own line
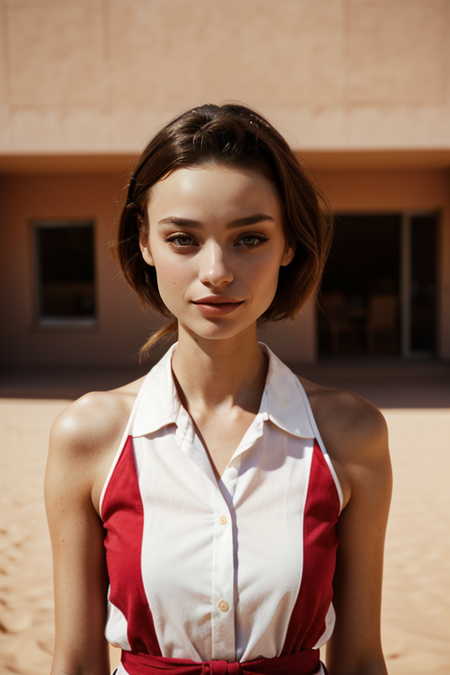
point(65, 262)
point(360, 289)
point(423, 282)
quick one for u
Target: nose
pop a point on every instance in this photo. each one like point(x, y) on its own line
point(215, 266)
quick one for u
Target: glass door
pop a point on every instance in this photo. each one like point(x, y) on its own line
point(379, 293)
point(419, 235)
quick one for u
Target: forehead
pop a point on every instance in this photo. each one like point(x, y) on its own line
point(213, 186)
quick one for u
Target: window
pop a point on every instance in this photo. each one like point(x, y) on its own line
point(422, 283)
point(379, 286)
point(65, 273)
point(361, 287)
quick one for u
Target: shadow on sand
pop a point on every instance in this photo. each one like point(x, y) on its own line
point(386, 383)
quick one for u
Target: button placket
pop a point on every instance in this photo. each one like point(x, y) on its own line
point(230, 476)
point(223, 622)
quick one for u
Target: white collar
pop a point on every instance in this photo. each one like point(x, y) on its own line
point(284, 401)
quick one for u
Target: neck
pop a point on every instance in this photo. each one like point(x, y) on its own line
point(213, 373)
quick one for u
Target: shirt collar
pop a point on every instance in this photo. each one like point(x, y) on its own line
point(284, 401)
point(158, 404)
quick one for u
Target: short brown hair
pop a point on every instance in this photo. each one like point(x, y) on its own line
point(231, 135)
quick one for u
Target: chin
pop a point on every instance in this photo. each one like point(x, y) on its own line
point(217, 332)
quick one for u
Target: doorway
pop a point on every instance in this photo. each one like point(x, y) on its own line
point(378, 293)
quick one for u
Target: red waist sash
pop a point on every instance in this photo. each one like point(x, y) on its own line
point(306, 662)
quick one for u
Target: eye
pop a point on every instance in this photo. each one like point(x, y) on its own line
point(181, 240)
point(252, 240)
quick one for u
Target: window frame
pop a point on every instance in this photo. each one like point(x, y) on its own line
point(74, 324)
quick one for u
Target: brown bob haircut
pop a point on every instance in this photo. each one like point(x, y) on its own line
point(230, 135)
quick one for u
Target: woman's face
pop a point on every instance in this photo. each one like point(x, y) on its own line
point(216, 240)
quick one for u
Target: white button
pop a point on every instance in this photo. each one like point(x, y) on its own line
point(222, 520)
point(223, 605)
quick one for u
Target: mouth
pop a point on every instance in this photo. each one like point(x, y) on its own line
point(217, 300)
point(217, 305)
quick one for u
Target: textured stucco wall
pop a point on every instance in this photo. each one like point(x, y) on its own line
point(362, 87)
point(122, 326)
point(102, 75)
point(402, 191)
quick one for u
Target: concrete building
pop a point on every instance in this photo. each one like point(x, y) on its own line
point(360, 88)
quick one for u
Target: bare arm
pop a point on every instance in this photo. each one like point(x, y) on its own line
point(357, 441)
point(81, 443)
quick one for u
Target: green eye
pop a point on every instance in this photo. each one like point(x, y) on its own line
point(181, 240)
point(184, 241)
point(252, 240)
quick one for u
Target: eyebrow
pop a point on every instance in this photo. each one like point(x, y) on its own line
point(196, 224)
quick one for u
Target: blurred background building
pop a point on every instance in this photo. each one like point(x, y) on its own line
point(360, 88)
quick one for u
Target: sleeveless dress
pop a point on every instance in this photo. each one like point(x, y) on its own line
point(228, 570)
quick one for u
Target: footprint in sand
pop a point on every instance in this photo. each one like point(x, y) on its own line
point(14, 622)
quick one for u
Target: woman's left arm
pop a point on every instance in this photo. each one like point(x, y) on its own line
point(362, 453)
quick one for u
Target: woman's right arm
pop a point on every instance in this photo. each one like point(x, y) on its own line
point(76, 462)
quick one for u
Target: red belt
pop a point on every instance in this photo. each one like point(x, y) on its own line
point(306, 662)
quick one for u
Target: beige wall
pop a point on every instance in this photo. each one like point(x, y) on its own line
point(122, 325)
point(361, 86)
point(102, 75)
point(374, 191)
point(363, 189)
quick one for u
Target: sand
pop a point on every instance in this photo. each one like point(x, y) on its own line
point(416, 602)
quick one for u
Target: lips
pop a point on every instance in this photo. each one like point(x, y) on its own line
point(217, 300)
point(217, 305)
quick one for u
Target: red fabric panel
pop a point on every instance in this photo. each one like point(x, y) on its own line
point(320, 541)
point(123, 519)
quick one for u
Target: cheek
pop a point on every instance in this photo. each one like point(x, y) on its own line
point(164, 266)
point(266, 273)
point(172, 277)
point(262, 283)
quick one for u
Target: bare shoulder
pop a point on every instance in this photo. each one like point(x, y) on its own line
point(345, 416)
point(93, 418)
point(85, 437)
point(353, 430)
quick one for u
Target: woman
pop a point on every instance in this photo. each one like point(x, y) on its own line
point(197, 512)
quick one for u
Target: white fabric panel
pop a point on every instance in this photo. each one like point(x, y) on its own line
point(116, 627)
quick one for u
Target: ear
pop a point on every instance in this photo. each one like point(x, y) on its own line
point(288, 256)
point(144, 243)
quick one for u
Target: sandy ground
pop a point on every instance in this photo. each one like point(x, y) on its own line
point(416, 605)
